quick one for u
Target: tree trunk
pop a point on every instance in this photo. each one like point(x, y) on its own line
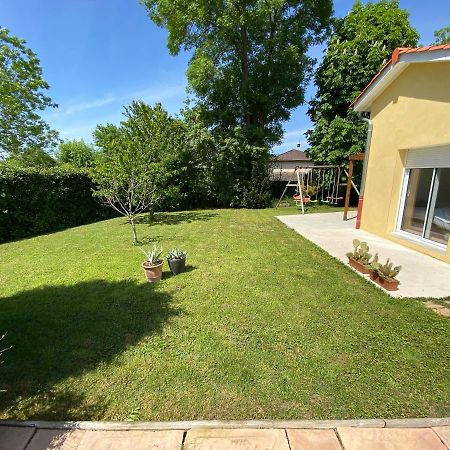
point(133, 226)
point(245, 72)
point(151, 213)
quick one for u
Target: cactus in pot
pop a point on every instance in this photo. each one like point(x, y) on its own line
point(177, 260)
point(384, 274)
point(153, 264)
point(360, 257)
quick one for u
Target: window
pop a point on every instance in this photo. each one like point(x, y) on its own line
point(425, 209)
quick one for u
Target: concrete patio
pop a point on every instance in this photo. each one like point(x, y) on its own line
point(376, 434)
point(421, 275)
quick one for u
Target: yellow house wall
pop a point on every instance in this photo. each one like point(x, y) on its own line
point(414, 111)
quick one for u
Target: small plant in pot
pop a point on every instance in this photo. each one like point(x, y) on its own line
point(359, 258)
point(177, 260)
point(384, 274)
point(153, 264)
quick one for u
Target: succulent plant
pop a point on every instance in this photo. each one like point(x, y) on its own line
point(387, 270)
point(153, 255)
point(360, 252)
point(176, 253)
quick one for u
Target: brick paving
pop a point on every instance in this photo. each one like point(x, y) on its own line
point(395, 434)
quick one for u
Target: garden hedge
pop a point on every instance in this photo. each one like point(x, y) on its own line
point(35, 201)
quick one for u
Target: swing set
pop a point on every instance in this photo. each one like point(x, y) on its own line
point(316, 184)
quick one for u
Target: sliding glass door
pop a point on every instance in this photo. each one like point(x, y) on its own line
point(426, 205)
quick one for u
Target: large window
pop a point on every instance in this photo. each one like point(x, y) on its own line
point(426, 204)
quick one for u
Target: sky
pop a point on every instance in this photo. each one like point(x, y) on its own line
point(99, 55)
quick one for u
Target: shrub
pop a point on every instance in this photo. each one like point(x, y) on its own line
point(34, 201)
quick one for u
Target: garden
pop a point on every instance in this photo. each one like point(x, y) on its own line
point(144, 275)
point(262, 324)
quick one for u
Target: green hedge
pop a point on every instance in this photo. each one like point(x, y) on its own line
point(35, 201)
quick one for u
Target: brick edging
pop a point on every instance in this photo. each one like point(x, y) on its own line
point(262, 424)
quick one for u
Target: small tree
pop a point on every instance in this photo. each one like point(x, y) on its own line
point(132, 162)
point(76, 154)
point(31, 157)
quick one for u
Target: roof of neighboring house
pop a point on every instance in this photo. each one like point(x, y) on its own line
point(400, 60)
point(292, 155)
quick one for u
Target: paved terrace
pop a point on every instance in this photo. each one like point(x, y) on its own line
point(421, 275)
point(413, 434)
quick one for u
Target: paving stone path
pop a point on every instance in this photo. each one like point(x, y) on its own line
point(371, 437)
point(439, 309)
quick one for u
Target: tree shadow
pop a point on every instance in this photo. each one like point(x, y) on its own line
point(175, 218)
point(63, 331)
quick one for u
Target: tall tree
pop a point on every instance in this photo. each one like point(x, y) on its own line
point(361, 43)
point(442, 36)
point(250, 64)
point(22, 98)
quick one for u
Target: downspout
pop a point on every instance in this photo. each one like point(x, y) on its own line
point(364, 172)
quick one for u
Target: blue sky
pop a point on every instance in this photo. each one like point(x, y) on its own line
point(98, 55)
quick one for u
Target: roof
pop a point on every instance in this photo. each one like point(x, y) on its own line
point(400, 60)
point(292, 155)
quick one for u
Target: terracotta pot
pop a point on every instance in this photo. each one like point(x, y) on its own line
point(358, 266)
point(373, 275)
point(390, 284)
point(177, 265)
point(153, 273)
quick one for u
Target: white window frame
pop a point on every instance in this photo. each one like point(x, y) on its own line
point(401, 208)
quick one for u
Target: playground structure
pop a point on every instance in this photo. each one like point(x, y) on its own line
point(322, 184)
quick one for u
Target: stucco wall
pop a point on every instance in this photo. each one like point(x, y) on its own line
point(414, 111)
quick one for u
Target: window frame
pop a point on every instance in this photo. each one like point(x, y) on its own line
point(422, 240)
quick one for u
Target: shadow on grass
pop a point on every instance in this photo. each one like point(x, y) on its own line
point(175, 218)
point(168, 274)
point(63, 331)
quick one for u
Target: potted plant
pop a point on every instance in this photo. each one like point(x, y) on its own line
point(384, 274)
point(177, 260)
point(359, 258)
point(153, 264)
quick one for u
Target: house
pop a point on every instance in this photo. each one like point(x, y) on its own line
point(406, 187)
point(284, 164)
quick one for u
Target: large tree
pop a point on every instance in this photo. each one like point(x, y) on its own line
point(22, 98)
point(442, 36)
point(361, 43)
point(250, 65)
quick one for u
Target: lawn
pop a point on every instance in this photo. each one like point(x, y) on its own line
point(263, 324)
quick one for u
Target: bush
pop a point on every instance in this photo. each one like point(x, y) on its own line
point(34, 201)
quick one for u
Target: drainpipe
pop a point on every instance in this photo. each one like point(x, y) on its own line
point(364, 172)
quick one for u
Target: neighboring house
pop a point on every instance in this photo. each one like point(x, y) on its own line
point(407, 186)
point(283, 165)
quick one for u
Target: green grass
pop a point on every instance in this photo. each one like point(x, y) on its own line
point(264, 324)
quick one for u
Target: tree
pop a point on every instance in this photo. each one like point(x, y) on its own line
point(361, 43)
point(31, 157)
point(76, 154)
point(250, 65)
point(132, 165)
point(22, 98)
point(442, 36)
